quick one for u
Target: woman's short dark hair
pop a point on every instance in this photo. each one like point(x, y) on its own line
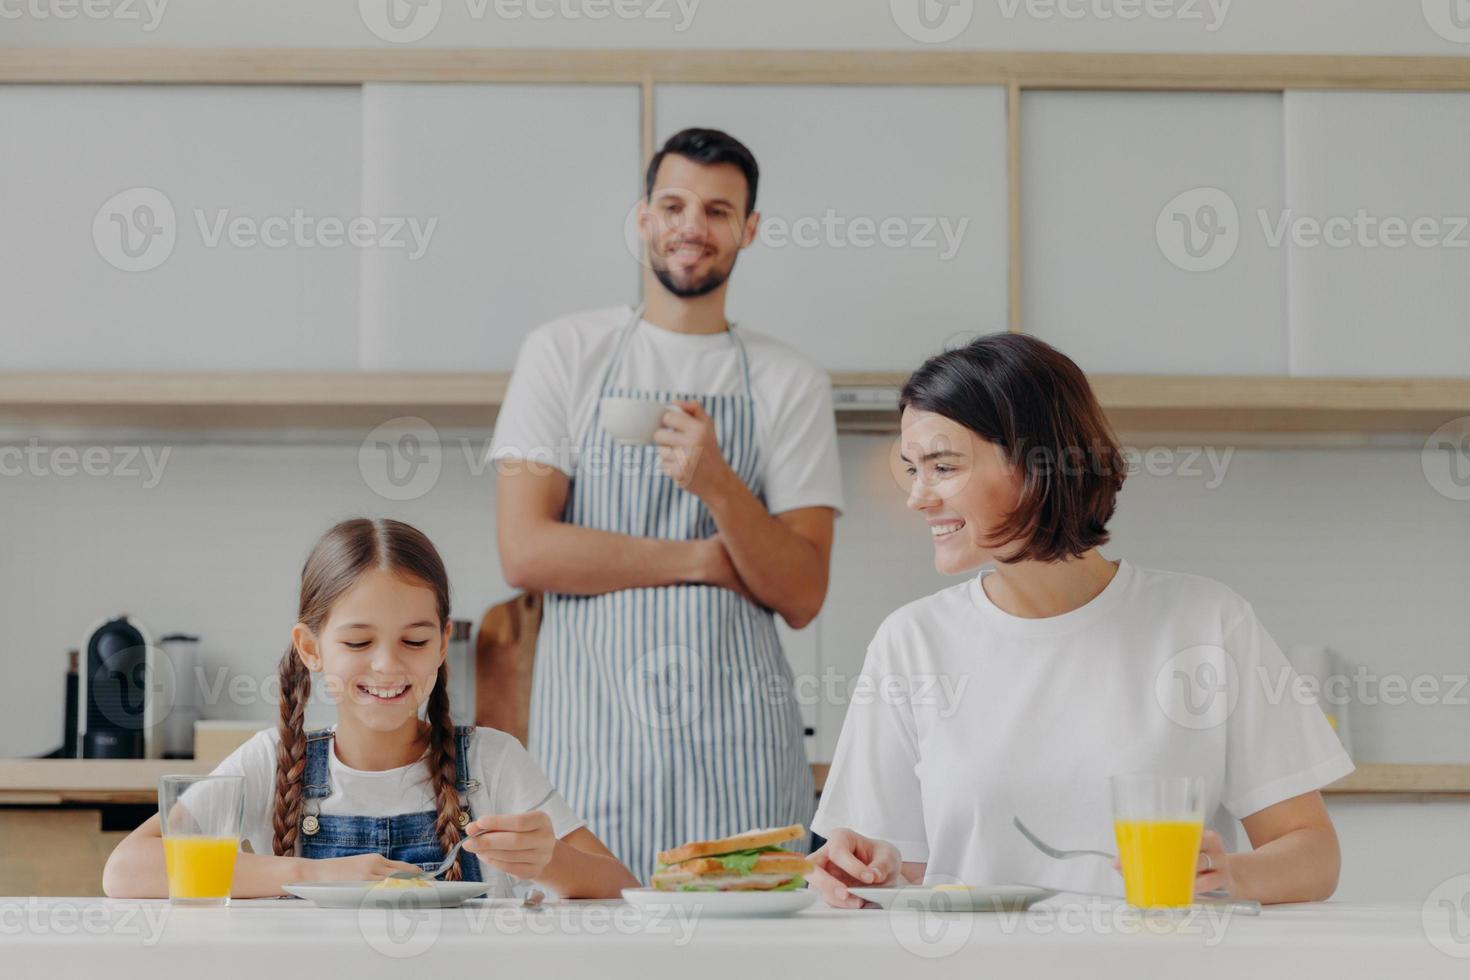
point(709, 147)
point(1034, 402)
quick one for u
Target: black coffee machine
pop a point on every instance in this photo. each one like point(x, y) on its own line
point(117, 693)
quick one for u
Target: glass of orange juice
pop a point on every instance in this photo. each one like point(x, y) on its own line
point(1158, 821)
point(201, 817)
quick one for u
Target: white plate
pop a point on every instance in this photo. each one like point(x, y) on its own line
point(364, 894)
point(978, 898)
point(724, 904)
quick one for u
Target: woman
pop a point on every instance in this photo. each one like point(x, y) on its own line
point(1065, 668)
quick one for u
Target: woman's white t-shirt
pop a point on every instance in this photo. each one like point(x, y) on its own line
point(513, 779)
point(967, 717)
point(555, 389)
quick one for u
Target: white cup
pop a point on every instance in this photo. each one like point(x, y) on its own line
point(633, 420)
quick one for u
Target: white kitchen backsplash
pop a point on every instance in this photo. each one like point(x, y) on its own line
point(1349, 548)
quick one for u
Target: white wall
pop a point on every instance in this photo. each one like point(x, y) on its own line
point(1398, 848)
point(1348, 26)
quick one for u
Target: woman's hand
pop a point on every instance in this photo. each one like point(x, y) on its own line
point(849, 859)
point(520, 844)
point(1213, 866)
point(359, 867)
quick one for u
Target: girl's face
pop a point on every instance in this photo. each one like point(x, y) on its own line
point(962, 485)
point(379, 651)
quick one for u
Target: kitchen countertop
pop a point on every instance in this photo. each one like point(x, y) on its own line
point(1068, 936)
point(48, 782)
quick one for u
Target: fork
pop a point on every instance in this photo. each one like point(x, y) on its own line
point(454, 851)
point(1053, 852)
point(1248, 906)
point(448, 862)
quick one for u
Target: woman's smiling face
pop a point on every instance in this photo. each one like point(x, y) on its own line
point(962, 485)
point(379, 651)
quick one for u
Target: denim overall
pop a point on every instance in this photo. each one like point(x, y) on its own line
point(406, 837)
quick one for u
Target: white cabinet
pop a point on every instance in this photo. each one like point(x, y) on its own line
point(1141, 251)
point(1380, 248)
point(529, 188)
point(884, 214)
point(803, 653)
point(177, 227)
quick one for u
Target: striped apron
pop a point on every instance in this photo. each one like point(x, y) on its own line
point(668, 714)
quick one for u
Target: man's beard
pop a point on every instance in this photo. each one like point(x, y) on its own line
point(692, 290)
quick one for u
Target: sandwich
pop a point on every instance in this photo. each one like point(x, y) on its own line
point(752, 861)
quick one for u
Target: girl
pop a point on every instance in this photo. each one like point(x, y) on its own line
point(382, 790)
point(1061, 668)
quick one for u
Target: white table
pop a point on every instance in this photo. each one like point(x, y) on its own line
point(61, 938)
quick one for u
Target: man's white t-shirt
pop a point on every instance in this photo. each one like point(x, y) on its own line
point(967, 717)
point(555, 389)
point(507, 771)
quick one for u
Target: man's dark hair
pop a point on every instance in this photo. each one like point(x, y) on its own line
point(709, 147)
point(1034, 402)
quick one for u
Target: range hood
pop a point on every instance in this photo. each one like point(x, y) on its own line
point(866, 408)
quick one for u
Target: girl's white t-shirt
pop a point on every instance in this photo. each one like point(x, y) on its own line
point(966, 717)
point(513, 779)
point(555, 388)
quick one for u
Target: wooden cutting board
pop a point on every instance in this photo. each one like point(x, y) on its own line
point(505, 652)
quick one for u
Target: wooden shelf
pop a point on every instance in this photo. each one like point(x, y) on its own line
point(1068, 70)
point(1280, 404)
point(1368, 778)
point(247, 400)
point(55, 781)
point(1386, 778)
point(1135, 403)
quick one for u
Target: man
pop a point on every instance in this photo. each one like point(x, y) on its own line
point(663, 706)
